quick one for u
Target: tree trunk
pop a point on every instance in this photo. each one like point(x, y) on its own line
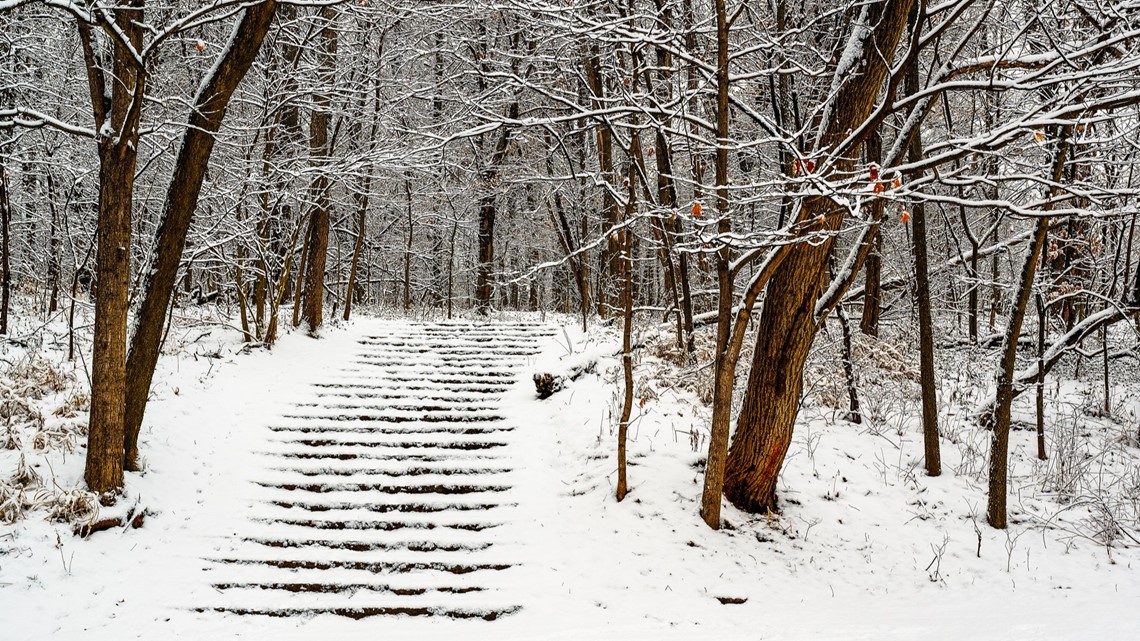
point(361, 213)
point(484, 288)
point(724, 376)
point(873, 271)
point(181, 200)
point(320, 148)
point(104, 468)
point(118, 155)
point(5, 246)
point(999, 448)
point(608, 260)
point(787, 324)
point(408, 246)
point(853, 413)
point(627, 343)
point(931, 452)
point(1040, 387)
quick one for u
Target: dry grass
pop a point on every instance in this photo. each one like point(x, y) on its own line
point(69, 506)
point(41, 412)
point(676, 369)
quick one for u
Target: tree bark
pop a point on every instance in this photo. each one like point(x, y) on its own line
point(5, 246)
point(725, 360)
point(1040, 387)
point(608, 260)
point(181, 200)
point(854, 415)
point(318, 242)
point(118, 155)
point(361, 213)
point(999, 447)
point(927, 382)
point(787, 324)
point(873, 270)
point(484, 288)
point(627, 340)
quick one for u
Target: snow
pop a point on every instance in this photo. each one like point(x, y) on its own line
point(867, 546)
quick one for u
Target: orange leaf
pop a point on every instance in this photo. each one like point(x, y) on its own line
point(905, 217)
point(697, 209)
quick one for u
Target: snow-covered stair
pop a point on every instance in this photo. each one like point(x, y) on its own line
point(389, 489)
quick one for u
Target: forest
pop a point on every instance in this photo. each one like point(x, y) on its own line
point(761, 292)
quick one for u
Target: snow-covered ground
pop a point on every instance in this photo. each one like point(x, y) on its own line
point(867, 546)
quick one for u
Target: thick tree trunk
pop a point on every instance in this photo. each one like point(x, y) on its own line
point(104, 469)
point(118, 155)
point(181, 200)
point(317, 251)
point(484, 290)
point(775, 383)
point(787, 324)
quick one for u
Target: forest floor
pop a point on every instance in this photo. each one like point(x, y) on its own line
point(393, 469)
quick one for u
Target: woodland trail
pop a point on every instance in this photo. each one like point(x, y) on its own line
point(389, 488)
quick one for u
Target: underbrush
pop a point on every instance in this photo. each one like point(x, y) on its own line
point(43, 407)
point(1086, 489)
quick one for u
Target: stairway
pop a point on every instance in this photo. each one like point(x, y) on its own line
point(388, 489)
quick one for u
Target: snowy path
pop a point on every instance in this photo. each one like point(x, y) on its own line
point(389, 488)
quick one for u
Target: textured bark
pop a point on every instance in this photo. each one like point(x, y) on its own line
point(787, 324)
point(999, 445)
point(853, 413)
point(725, 364)
point(317, 250)
point(627, 341)
point(775, 383)
point(608, 260)
point(931, 453)
point(408, 244)
point(873, 269)
point(118, 154)
point(484, 288)
point(181, 201)
point(361, 218)
point(318, 240)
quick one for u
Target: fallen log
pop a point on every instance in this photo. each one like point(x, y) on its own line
point(546, 383)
